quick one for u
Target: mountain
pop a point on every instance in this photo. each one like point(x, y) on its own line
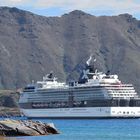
point(33, 45)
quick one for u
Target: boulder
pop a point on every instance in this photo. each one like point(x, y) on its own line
point(25, 128)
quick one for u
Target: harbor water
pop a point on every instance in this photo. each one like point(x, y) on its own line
point(93, 129)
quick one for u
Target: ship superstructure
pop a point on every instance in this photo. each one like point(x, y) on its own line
point(95, 95)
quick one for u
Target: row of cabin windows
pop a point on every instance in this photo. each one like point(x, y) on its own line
point(62, 90)
point(79, 93)
point(44, 100)
point(119, 88)
point(65, 99)
point(125, 112)
point(123, 95)
point(48, 95)
point(67, 96)
point(59, 99)
point(132, 91)
point(67, 93)
point(47, 98)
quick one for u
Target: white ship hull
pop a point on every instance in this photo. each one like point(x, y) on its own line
point(88, 112)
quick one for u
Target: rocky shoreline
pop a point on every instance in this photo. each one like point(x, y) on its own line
point(10, 127)
point(9, 103)
point(9, 112)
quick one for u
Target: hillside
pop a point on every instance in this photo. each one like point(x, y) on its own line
point(9, 103)
point(33, 45)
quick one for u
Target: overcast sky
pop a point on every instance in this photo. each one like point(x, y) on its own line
point(59, 7)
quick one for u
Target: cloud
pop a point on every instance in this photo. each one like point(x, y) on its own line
point(95, 6)
point(115, 6)
point(15, 2)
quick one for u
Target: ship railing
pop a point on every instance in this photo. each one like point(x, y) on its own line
point(116, 85)
point(128, 98)
point(137, 98)
point(28, 90)
point(53, 88)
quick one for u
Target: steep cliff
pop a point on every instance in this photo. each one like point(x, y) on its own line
point(33, 45)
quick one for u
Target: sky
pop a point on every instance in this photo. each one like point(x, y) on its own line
point(60, 7)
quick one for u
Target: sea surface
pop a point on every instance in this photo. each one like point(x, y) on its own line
point(93, 129)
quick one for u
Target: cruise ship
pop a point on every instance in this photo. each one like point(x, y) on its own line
point(94, 95)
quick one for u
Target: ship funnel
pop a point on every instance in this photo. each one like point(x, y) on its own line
point(108, 72)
